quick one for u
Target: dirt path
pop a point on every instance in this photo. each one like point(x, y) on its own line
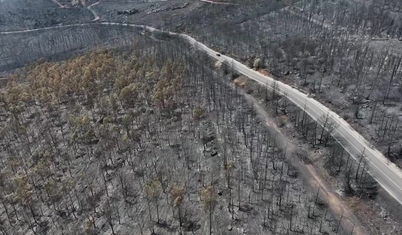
point(337, 206)
point(218, 3)
point(349, 221)
point(59, 4)
point(96, 16)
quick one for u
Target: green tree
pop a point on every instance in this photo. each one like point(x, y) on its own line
point(129, 94)
point(159, 98)
point(177, 192)
point(209, 200)
point(257, 64)
point(152, 190)
point(198, 113)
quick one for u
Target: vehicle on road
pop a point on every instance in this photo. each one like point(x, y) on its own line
point(218, 54)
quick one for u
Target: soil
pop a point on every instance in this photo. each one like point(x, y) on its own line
point(161, 13)
point(124, 145)
point(315, 180)
point(380, 216)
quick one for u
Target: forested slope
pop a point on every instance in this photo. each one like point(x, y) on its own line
point(17, 50)
point(22, 14)
point(143, 139)
point(346, 54)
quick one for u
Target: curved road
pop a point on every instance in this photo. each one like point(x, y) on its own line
point(387, 174)
point(96, 16)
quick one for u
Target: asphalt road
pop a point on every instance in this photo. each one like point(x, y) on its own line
point(387, 174)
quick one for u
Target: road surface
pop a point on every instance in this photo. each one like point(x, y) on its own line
point(59, 4)
point(387, 174)
point(218, 3)
point(96, 16)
